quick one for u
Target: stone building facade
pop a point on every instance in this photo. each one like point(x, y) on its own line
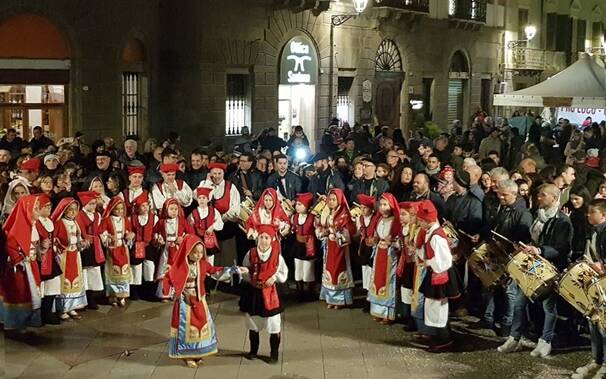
point(202, 67)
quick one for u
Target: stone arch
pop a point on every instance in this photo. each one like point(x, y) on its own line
point(32, 36)
point(133, 52)
point(388, 57)
point(459, 61)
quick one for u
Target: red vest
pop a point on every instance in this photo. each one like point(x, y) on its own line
point(261, 271)
point(436, 278)
point(201, 224)
point(90, 231)
point(143, 233)
point(222, 204)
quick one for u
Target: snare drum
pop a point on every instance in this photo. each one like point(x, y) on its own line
point(487, 263)
point(574, 284)
point(318, 207)
point(460, 245)
point(534, 275)
point(246, 209)
point(597, 295)
point(288, 209)
point(355, 211)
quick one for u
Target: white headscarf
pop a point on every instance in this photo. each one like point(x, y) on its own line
point(9, 201)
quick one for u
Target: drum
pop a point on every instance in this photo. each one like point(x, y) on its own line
point(246, 209)
point(597, 295)
point(355, 211)
point(573, 286)
point(318, 207)
point(460, 246)
point(535, 276)
point(288, 209)
point(488, 264)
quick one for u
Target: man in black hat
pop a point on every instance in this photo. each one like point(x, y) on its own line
point(371, 185)
point(103, 166)
point(325, 178)
point(464, 208)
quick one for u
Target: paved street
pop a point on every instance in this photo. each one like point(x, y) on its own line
point(317, 343)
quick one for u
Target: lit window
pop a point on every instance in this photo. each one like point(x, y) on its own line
point(237, 103)
point(131, 103)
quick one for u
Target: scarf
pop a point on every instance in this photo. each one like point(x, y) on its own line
point(543, 215)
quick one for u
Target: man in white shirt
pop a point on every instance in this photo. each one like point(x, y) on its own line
point(170, 187)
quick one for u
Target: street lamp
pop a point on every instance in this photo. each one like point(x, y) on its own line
point(360, 5)
point(530, 31)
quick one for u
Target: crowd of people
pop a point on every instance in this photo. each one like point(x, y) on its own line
point(88, 223)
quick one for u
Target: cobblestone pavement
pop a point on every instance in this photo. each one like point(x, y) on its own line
point(317, 343)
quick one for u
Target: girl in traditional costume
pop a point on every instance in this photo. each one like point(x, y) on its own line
point(69, 242)
point(20, 294)
point(169, 232)
point(304, 246)
point(96, 185)
point(143, 221)
point(260, 299)
point(205, 220)
point(117, 235)
point(408, 272)
point(192, 332)
point(50, 270)
point(334, 229)
point(268, 211)
point(92, 255)
point(387, 231)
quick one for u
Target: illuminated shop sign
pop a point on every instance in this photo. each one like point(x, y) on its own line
point(299, 63)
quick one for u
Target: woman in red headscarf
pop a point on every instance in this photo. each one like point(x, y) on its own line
point(387, 232)
point(268, 211)
point(366, 243)
point(169, 232)
point(335, 229)
point(20, 295)
point(69, 242)
point(304, 247)
point(116, 234)
point(407, 271)
point(192, 331)
point(50, 271)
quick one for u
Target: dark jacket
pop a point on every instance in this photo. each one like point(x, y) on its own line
point(435, 198)
point(600, 254)
point(40, 144)
point(294, 184)
point(323, 182)
point(254, 180)
point(555, 240)
point(465, 212)
point(194, 177)
point(513, 222)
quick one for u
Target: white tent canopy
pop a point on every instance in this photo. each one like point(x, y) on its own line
point(582, 84)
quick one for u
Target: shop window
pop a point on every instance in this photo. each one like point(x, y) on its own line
point(237, 103)
point(345, 104)
point(581, 31)
point(428, 84)
point(597, 34)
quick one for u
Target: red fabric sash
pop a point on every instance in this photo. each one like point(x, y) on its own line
point(119, 254)
point(261, 271)
point(222, 204)
point(335, 260)
point(380, 269)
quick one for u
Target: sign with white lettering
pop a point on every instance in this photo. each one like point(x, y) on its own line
point(578, 115)
point(299, 62)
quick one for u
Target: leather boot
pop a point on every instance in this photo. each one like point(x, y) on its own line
point(48, 317)
point(253, 337)
point(274, 343)
point(134, 293)
point(90, 300)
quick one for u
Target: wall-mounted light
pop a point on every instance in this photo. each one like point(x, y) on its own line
point(360, 5)
point(530, 31)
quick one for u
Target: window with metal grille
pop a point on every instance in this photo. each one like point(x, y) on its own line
point(237, 103)
point(345, 109)
point(131, 103)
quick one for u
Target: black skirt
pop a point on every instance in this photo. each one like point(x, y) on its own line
point(408, 279)
point(450, 290)
point(251, 302)
point(88, 257)
point(363, 254)
point(55, 270)
point(299, 250)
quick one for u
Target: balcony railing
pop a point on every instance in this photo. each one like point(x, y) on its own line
point(469, 10)
point(409, 5)
point(526, 58)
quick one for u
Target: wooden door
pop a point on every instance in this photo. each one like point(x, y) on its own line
point(387, 101)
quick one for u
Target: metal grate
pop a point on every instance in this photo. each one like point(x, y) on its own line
point(388, 57)
point(411, 5)
point(473, 10)
point(236, 103)
point(131, 103)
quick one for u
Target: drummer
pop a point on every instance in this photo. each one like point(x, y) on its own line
point(551, 234)
point(512, 221)
point(596, 255)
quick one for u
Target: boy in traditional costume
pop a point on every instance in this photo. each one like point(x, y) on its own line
point(334, 229)
point(143, 220)
point(92, 254)
point(367, 242)
point(116, 233)
point(192, 332)
point(441, 281)
point(20, 294)
point(69, 243)
point(260, 300)
point(205, 220)
point(304, 246)
point(50, 271)
point(386, 230)
point(136, 175)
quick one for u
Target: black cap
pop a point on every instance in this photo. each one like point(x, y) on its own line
point(319, 157)
point(103, 153)
point(369, 160)
point(462, 178)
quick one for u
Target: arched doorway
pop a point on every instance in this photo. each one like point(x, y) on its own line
point(34, 76)
point(389, 75)
point(134, 89)
point(458, 84)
